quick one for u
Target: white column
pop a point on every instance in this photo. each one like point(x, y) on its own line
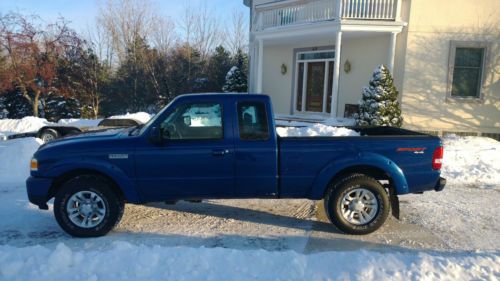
point(260, 66)
point(336, 75)
point(392, 52)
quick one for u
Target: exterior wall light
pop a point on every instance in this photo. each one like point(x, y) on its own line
point(284, 69)
point(347, 66)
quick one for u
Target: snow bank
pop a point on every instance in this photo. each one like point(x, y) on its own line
point(473, 161)
point(27, 124)
point(139, 116)
point(315, 130)
point(124, 261)
point(15, 156)
point(79, 122)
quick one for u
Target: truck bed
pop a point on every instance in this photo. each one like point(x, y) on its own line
point(410, 151)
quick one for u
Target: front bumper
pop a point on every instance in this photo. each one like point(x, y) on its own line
point(440, 184)
point(38, 191)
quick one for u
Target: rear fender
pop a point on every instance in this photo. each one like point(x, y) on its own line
point(125, 184)
point(362, 159)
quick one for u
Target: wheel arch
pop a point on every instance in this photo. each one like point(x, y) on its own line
point(373, 165)
point(63, 178)
point(65, 170)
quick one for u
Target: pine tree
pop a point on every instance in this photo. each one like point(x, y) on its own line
point(218, 67)
point(380, 106)
point(59, 107)
point(236, 79)
point(4, 113)
point(17, 105)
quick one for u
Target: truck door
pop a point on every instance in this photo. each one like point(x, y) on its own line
point(255, 150)
point(196, 159)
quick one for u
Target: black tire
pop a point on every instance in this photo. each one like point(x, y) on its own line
point(113, 202)
point(49, 135)
point(339, 189)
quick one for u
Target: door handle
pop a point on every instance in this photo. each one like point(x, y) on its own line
point(220, 152)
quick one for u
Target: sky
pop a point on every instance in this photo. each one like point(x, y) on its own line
point(81, 13)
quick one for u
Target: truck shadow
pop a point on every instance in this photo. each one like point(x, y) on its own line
point(304, 222)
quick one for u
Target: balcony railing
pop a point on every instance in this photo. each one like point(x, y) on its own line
point(281, 14)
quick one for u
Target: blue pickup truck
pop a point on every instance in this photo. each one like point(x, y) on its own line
point(214, 146)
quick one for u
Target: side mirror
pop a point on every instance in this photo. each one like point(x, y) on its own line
point(187, 120)
point(155, 136)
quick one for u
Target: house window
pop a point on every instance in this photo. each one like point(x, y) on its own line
point(467, 60)
point(314, 81)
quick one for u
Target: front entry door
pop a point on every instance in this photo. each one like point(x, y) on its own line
point(315, 86)
point(314, 81)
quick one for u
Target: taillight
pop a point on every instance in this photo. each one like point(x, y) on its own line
point(437, 158)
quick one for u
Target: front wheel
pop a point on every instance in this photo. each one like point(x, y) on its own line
point(357, 204)
point(87, 206)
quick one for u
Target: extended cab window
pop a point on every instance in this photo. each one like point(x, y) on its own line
point(194, 121)
point(252, 121)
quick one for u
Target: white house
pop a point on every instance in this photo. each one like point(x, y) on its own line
point(313, 57)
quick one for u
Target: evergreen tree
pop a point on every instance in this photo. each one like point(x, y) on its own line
point(380, 106)
point(218, 66)
point(184, 71)
point(236, 78)
point(4, 113)
point(17, 105)
point(59, 107)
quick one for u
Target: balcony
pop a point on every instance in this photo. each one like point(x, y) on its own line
point(288, 13)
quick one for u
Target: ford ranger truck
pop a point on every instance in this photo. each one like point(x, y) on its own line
point(221, 146)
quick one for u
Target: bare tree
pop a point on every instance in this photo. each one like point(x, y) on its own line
point(163, 35)
point(101, 42)
point(236, 33)
point(33, 54)
point(201, 30)
point(126, 21)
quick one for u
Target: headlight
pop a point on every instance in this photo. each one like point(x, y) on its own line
point(34, 165)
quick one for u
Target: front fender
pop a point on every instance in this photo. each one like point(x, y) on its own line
point(125, 184)
point(361, 159)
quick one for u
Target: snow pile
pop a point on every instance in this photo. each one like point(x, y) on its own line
point(15, 156)
point(473, 161)
point(27, 124)
point(79, 122)
point(139, 116)
point(315, 130)
point(124, 261)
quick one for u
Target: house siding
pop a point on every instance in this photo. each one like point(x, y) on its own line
point(429, 35)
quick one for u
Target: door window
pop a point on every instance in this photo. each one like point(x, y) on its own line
point(252, 121)
point(194, 121)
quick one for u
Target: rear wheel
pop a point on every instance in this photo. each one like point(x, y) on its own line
point(357, 204)
point(87, 206)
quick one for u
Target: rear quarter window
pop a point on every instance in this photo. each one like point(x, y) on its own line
point(252, 121)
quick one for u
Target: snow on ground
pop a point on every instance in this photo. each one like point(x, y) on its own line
point(123, 261)
point(27, 124)
point(472, 161)
point(15, 156)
